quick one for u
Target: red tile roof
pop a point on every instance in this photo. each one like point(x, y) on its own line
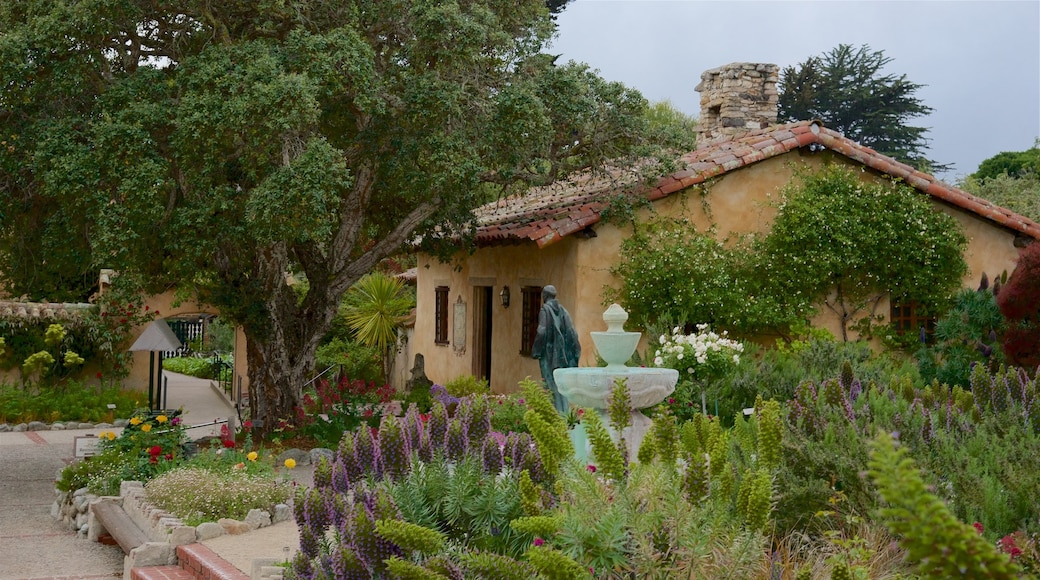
point(547, 214)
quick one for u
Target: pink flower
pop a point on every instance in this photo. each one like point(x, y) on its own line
point(538, 541)
point(591, 468)
point(671, 401)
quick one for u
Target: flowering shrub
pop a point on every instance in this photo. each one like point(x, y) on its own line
point(334, 408)
point(704, 355)
point(700, 358)
point(199, 495)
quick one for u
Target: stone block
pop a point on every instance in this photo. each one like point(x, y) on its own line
point(208, 530)
point(234, 527)
point(150, 554)
point(257, 518)
point(182, 535)
point(282, 512)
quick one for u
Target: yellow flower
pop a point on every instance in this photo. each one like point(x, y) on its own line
point(252, 456)
point(146, 427)
point(135, 421)
point(161, 419)
point(110, 435)
point(290, 463)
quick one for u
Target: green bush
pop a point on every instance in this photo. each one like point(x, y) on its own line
point(201, 368)
point(353, 359)
point(71, 401)
point(467, 385)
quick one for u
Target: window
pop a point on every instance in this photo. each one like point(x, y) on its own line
point(532, 304)
point(441, 316)
point(910, 317)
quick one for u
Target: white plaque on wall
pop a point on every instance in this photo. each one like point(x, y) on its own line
point(458, 337)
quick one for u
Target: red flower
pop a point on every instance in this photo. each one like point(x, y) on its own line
point(671, 401)
point(229, 443)
point(591, 468)
point(424, 417)
point(99, 375)
point(538, 541)
point(978, 527)
point(155, 451)
point(248, 424)
point(168, 457)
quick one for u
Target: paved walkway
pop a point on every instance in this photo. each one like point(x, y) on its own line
point(33, 545)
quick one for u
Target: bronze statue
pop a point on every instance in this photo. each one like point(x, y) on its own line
point(556, 344)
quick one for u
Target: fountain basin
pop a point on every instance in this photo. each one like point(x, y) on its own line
point(590, 387)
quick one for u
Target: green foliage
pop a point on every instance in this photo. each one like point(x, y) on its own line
point(605, 452)
point(554, 565)
point(403, 570)
point(1014, 164)
point(191, 366)
point(463, 503)
point(466, 386)
point(942, 546)
point(279, 137)
point(546, 426)
point(497, 567)
point(671, 272)
point(507, 414)
point(375, 308)
point(966, 335)
point(835, 236)
point(353, 359)
point(1020, 194)
point(72, 401)
point(411, 537)
point(847, 90)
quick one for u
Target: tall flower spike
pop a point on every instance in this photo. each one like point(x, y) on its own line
point(365, 452)
point(455, 441)
point(393, 448)
point(492, 456)
point(438, 424)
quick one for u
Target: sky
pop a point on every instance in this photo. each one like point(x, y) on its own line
point(979, 60)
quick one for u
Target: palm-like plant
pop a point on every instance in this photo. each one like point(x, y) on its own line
point(375, 308)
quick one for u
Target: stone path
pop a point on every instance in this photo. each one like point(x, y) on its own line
point(33, 545)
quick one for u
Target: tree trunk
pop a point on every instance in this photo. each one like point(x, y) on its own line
point(275, 384)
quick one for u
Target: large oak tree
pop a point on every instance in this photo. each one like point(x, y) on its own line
point(219, 146)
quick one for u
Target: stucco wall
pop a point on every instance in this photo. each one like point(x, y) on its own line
point(739, 203)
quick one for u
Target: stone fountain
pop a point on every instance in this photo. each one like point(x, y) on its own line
point(590, 387)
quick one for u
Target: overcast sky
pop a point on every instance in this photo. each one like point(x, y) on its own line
point(980, 60)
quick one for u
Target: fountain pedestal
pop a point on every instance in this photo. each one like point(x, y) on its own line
point(590, 387)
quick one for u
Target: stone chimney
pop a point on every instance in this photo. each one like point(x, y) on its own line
point(735, 98)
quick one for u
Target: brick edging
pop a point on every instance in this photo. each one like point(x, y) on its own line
point(195, 561)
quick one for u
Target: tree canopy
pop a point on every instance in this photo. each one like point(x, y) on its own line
point(219, 146)
point(847, 89)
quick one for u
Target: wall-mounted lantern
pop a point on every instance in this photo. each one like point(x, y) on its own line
point(504, 296)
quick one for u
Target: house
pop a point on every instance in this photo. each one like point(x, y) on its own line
point(477, 314)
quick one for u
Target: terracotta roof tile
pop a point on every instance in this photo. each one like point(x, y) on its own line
point(547, 214)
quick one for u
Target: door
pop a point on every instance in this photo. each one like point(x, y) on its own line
point(482, 302)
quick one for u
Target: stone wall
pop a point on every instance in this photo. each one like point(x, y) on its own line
point(737, 97)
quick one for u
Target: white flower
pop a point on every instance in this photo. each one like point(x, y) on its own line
point(658, 361)
point(736, 359)
point(663, 339)
point(679, 356)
